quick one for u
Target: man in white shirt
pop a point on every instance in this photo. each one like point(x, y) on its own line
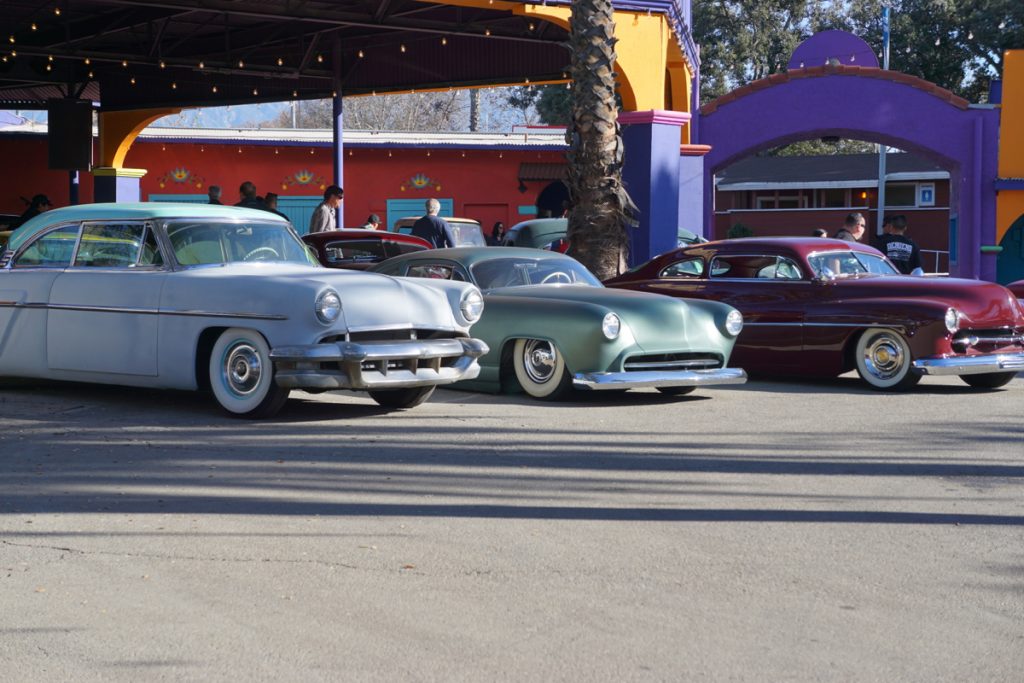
point(325, 215)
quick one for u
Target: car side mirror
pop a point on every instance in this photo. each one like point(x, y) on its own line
point(917, 272)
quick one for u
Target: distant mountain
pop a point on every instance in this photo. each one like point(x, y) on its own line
point(242, 116)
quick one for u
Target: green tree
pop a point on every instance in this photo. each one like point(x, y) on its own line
point(554, 106)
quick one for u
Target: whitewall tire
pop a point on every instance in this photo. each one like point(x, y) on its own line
point(242, 375)
point(884, 360)
point(540, 369)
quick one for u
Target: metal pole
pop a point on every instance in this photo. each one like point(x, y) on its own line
point(72, 188)
point(882, 147)
point(337, 119)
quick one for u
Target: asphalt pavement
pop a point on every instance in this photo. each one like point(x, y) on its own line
point(778, 531)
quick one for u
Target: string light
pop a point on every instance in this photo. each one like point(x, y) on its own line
point(49, 58)
point(361, 54)
point(402, 47)
point(163, 64)
point(88, 61)
point(241, 64)
point(280, 61)
point(3, 59)
point(174, 86)
point(34, 27)
point(311, 150)
point(132, 80)
point(124, 63)
point(202, 65)
point(295, 93)
point(14, 53)
point(277, 151)
point(92, 75)
point(49, 67)
point(56, 10)
point(320, 59)
point(11, 39)
point(444, 40)
point(487, 32)
point(255, 91)
point(531, 26)
point(213, 89)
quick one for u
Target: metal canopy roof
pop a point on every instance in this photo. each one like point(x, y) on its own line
point(133, 54)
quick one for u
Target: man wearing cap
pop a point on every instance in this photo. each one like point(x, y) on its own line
point(901, 250)
point(372, 223)
point(325, 216)
point(38, 205)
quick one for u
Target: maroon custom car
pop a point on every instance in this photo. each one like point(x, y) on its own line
point(822, 307)
point(359, 249)
point(1017, 288)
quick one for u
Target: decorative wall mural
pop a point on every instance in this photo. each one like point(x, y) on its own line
point(421, 181)
point(181, 176)
point(303, 178)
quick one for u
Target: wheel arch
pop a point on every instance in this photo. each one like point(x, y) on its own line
point(204, 347)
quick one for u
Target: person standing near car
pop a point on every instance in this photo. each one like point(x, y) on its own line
point(900, 249)
point(40, 203)
point(433, 228)
point(497, 234)
point(372, 222)
point(853, 228)
point(325, 215)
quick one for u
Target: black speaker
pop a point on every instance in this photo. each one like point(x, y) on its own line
point(70, 126)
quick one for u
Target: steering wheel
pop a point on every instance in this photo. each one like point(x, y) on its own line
point(255, 254)
point(556, 277)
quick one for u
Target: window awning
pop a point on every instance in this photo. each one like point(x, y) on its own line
point(542, 171)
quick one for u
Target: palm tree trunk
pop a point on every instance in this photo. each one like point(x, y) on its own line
point(600, 206)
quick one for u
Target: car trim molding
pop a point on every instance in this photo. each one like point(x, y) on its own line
point(142, 311)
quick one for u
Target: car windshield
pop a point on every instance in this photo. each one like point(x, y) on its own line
point(849, 264)
point(209, 242)
point(522, 272)
point(468, 234)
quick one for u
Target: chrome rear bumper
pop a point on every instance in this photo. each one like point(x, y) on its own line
point(377, 365)
point(670, 378)
point(971, 365)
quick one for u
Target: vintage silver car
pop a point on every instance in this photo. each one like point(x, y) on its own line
point(186, 296)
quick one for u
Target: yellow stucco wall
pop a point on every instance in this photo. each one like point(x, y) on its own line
point(118, 130)
point(1010, 203)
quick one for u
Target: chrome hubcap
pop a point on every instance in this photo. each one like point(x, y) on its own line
point(539, 360)
point(884, 357)
point(242, 369)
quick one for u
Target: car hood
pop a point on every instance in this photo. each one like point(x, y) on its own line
point(369, 300)
point(659, 323)
point(983, 303)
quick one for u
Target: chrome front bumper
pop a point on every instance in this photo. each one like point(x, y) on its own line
point(669, 378)
point(971, 365)
point(377, 365)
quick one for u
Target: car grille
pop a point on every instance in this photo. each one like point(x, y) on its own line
point(987, 340)
point(390, 335)
point(672, 361)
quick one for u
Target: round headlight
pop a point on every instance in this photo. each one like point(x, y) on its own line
point(952, 320)
point(472, 305)
point(611, 326)
point(734, 323)
point(328, 306)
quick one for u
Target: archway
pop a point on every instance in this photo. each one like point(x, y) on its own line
point(874, 105)
point(1010, 262)
point(552, 200)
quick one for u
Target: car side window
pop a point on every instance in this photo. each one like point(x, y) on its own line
point(354, 251)
point(110, 245)
point(436, 271)
point(691, 267)
point(150, 255)
point(52, 250)
point(744, 267)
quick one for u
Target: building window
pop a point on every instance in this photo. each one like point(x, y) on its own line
point(900, 195)
point(834, 199)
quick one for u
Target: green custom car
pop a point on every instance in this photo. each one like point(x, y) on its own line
point(552, 327)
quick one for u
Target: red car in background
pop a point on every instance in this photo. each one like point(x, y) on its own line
point(360, 249)
point(822, 307)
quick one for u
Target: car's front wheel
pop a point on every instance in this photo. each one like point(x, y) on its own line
point(540, 369)
point(883, 360)
point(401, 398)
point(989, 380)
point(242, 375)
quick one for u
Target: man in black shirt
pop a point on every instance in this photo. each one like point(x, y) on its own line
point(433, 228)
point(899, 248)
point(853, 228)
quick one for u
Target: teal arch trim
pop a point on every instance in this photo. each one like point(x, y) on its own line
point(1010, 261)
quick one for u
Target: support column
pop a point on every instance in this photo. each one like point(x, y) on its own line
point(651, 175)
point(118, 131)
point(691, 188)
point(338, 127)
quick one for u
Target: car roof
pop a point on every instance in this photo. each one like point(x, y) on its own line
point(799, 246)
point(362, 234)
point(469, 256)
point(543, 224)
point(135, 211)
point(409, 220)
